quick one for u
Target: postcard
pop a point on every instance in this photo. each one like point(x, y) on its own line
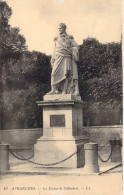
point(61, 97)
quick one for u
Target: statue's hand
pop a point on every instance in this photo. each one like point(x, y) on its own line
point(75, 60)
point(52, 64)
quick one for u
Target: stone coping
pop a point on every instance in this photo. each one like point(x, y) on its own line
point(107, 126)
point(4, 146)
point(41, 129)
point(72, 138)
point(58, 102)
point(37, 129)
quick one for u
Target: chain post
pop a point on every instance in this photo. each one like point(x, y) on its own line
point(116, 150)
point(91, 158)
point(4, 157)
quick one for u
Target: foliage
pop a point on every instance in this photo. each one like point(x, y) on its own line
point(100, 71)
point(26, 81)
point(25, 77)
point(12, 44)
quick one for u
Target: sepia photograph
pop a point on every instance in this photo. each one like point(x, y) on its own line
point(61, 97)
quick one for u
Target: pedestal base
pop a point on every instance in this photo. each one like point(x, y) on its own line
point(62, 132)
point(49, 151)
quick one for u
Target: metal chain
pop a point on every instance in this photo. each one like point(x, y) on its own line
point(49, 164)
point(110, 169)
point(107, 158)
point(103, 146)
point(46, 164)
point(12, 152)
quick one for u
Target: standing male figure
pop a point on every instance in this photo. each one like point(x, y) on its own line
point(64, 77)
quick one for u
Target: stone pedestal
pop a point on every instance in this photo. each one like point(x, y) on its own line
point(62, 131)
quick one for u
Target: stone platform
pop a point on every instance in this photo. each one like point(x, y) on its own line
point(62, 131)
point(62, 97)
point(32, 169)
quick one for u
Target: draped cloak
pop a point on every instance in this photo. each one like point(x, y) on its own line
point(64, 60)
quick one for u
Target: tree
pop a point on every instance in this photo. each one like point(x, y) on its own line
point(100, 71)
point(100, 75)
point(28, 80)
point(23, 75)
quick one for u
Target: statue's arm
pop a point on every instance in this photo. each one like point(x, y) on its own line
point(75, 52)
point(54, 51)
point(53, 58)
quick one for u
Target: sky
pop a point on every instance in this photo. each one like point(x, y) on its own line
point(38, 20)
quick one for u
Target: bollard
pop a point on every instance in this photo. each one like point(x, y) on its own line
point(116, 150)
point(91, 158)
point(4, 157)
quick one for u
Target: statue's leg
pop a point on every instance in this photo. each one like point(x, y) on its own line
point(53, 89)
point(57, 88)
point(65, 86)
point(76, 87)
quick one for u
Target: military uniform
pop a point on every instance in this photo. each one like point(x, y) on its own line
point(64, 60)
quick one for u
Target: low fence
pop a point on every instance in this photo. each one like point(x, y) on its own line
point(91, 152)
point(20, 138)
point(26, 138)
point(102, 134)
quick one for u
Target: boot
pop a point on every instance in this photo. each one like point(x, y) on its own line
point(76, 88)
point(53, 90)
point(65, 86)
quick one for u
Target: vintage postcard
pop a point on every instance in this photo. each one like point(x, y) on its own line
point(61, 97)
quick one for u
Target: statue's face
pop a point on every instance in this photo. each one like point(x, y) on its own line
point(61, 30)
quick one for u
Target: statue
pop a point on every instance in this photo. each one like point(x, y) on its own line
point(64, 77)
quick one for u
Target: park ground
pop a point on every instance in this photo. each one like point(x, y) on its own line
point(107, 184)
point(27, 179)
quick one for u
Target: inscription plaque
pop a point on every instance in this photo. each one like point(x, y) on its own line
point(57, 120)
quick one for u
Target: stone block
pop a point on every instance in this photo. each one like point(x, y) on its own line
point(53, 151)
point(61, 97)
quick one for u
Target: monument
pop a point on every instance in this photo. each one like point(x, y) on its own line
point(62, 109)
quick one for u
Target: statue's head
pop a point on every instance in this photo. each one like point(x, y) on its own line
point(62, 28)
point(62, 25)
